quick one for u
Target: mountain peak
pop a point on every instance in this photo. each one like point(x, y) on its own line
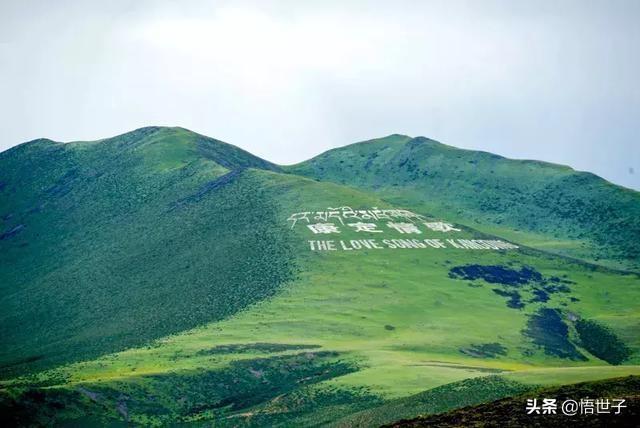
point(224, 154)
point(165, 145)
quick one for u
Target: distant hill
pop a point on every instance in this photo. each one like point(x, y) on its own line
point(540, 204)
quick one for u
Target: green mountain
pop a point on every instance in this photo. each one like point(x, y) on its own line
point(112, 243)
point(163, 277)
point(546, 206)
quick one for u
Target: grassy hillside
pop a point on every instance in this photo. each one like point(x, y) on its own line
point(547, 206)
point(109, 244)
point(240, 320)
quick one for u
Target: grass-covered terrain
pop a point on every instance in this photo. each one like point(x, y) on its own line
point(121, 241)
point(166, 284)
point(547, 206)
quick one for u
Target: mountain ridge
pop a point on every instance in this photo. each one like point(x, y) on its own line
point(591, 215)
point(482, 190)
point(422, 138)
point(419, 138)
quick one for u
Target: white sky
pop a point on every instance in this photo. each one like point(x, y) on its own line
point(286, 80)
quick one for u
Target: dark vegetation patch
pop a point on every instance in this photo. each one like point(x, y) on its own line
point(514, 299)
point(602, 342)
point(370, 160)
point(558, 280)
point(21, 361)
point(249, 383)
point(173, 397)
point(11, 232)
point(36, 407)
point(63, 185)
point(556, 288)
point(307, 407)
point(389, 327)
point(485, 350)
point(547, 330)
point(510, 412)
point(496, 274)
point(207, 188)
point(241, 348)
point(514, 282)
point(540, 296)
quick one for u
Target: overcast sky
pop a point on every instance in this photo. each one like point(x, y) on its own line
point(286, 80)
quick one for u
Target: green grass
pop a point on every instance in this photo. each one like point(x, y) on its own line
point(569, 375)
point(543, 205)
point(127, 240)
point(437, 400)
point(168, 272)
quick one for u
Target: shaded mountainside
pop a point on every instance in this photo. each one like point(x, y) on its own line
point(156, 278)
point(536, 203)
point(109, 244)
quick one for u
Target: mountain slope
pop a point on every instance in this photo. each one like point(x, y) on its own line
point(109, 244)
point(160, 284)
point(535, 203)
